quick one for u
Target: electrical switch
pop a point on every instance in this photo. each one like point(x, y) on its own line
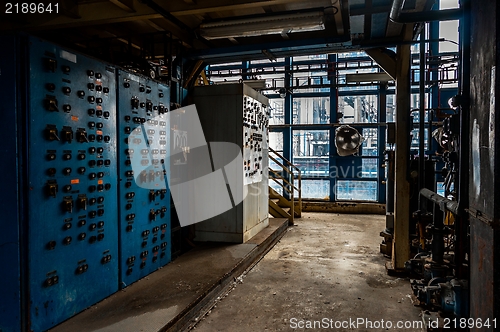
point(152, 195)
point(51, 104)
point(67, 204)
point(135, 103)
point(67, 134)
point(51, 188)
point(50, 64)
point(81, 135)
point(143, 176)
point(152, 215)
point(82, 202)
point(51, 133)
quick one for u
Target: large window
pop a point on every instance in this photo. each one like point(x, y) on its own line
point(310, 152)
point(312, 110)
point(304, 113)
point(358, 109)
point(356, 190)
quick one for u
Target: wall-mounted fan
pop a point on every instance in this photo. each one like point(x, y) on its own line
point(347, 140)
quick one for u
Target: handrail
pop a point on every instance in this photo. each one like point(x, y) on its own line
point(292, 173)
point(284, 180)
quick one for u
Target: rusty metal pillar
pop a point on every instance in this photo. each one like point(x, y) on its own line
point(401, 241)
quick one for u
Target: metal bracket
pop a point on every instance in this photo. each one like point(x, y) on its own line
point(479, 215)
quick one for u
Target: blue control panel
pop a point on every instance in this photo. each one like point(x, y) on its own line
point(85, 198)
point(72, 183)
point(144, 197)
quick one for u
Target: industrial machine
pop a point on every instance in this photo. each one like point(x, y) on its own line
point(74, 216)
point(243, 114)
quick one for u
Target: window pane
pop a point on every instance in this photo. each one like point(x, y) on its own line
point(309, 57)
point(415, 141)
point(369, 168)
point(356, 190)
point(311, 110)
point(370, 144)
point(391, 108)
point(276, 141)
point(310, 151)
point(277, 111)
point(358, 109)
point(319, 189)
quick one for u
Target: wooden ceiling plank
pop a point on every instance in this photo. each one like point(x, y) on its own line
point(126, 5)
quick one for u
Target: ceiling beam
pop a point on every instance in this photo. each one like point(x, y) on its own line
point(126, 5)
point(362, 10)
point(180, 9)
point(385, 58)
point(97, 13)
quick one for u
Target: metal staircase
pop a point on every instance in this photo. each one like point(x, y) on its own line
point(287, 176)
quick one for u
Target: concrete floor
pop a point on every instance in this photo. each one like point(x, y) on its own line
point(328, 267)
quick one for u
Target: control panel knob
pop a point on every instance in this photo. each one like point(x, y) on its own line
point(66, 90)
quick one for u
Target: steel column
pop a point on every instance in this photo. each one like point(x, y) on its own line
point(401, 246)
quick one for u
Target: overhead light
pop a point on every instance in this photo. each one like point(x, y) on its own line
point(267, 25)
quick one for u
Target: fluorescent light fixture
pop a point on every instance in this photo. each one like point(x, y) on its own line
point(278, 24)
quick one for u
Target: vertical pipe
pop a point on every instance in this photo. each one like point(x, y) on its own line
point(287, 109)
point(334, 100)
point(421, 132)
point(382, 117)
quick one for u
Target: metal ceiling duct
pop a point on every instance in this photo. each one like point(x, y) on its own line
point(277, 24)
point(425, 16)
